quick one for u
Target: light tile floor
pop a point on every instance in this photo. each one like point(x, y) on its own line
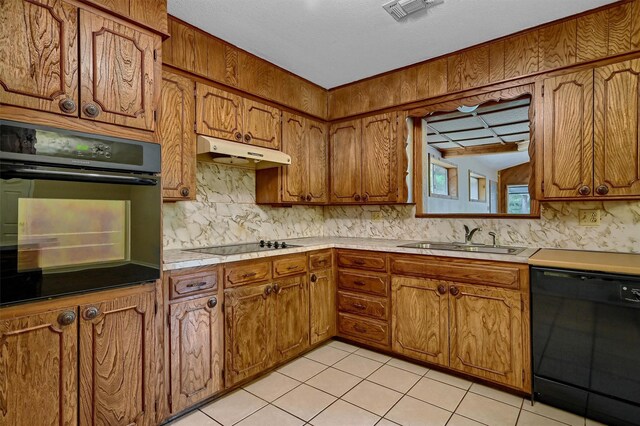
point(339, 384)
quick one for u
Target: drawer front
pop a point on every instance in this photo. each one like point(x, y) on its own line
point(363, 260)
point(487, 273)
point(366, 283)
point(365, 329)
point(235, 275)
point(320, 261)
point(361, 305)
point(192, 284)
point(289, 266)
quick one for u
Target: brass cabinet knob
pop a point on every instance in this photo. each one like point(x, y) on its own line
point(91, 313)
point(67, 105)
point(276, 289)
point(185, 192)
point(584, 190)
point(267, 291)
point(303, 198)
point(314, 278)
point(442, 289)
point(66, 318)
point(212, 302)
point(356, 197)
point(602, 190)
point(91, 110)
point(238, 136)
point(247, 137)
point(365, 197)
point(454, 291)
point(309, 197)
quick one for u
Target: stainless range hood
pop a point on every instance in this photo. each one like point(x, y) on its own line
point(239, 154)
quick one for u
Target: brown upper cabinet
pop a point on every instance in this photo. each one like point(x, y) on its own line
point(225, 115)
point(306, 179)
point(115, 62)
point(367, 160)
point(178, 139)
point(591, 146)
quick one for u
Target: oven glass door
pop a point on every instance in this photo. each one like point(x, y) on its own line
point(66, 231)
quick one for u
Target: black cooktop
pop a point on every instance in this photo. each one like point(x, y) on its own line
point(243, 248)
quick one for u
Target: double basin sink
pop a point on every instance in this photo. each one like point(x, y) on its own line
point(478, 248)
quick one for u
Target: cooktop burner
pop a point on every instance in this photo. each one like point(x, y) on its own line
point(243, 248)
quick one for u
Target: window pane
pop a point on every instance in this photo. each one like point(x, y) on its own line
point(474, 192)
point(439, 180)
point(518, 199)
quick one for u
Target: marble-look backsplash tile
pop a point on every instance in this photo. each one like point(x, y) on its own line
point(225, 212)
point(557, 227)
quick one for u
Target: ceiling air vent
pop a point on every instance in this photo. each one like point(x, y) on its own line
point(401, 8)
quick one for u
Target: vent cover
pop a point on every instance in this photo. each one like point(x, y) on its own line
point(399, 9)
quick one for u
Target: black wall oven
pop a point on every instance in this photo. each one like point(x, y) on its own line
point(78, 212)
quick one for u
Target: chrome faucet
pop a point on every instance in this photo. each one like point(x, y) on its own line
point(493, 235)
point(468, 234)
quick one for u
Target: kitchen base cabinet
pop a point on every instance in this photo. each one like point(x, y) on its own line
point(39, 369)
point(116, 355)
point(322, 305)
point(291, 312)
point(196, 349)
point(249, 325)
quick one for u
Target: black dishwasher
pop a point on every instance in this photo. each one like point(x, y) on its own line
point(586, 343)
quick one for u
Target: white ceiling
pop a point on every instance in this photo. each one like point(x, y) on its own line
point(333, 42)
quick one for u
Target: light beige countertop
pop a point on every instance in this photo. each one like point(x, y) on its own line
point(620, 263)
point(178, 259)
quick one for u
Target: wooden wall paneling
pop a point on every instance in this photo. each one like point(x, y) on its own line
point(231, 65)
point(616, 136)
point(515, 175)
point(39, 369)
point(557, 45)
point(39, 55)
point(256, 76)
point(117, 381)
point(422, 80)
point(339, 101)
point(438, 77)
point(620, 29)
point(152, 13)
point(183, 46)
point(201, 45)
point(167, 45)
point(635, 25)
point(475, 67)
point(496, 61)
point(383, 91)
point(454, 72)
point(407, 91)
point(591, 36)
point(118, 72)
point(521, 54)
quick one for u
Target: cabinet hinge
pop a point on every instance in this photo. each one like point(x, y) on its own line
point(543, 90)
point(155, 115)
point(170, 401)
point(542, 186)
point(195, 127)
point(168, 320)
point(155, 406)
point(155, 308)
point(155, 55)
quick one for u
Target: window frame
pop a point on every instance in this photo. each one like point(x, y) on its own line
point(452, 178)
point(482, 187)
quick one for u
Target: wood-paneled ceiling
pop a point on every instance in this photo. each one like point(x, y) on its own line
point(333, 42)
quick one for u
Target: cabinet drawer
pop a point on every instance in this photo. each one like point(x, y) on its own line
point(365, 329)
point(238, 274)
point(289, 266)
point(361, 305)
point(320, 261)
point(479, 272)
point(192, 284)
point(363, 260)
point(367, 283)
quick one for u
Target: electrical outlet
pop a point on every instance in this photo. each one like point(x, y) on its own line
point(376, 215)
point(589, 217)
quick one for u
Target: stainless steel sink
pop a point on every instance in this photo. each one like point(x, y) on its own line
point(478, 248)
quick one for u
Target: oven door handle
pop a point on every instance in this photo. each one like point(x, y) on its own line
point(45, 174)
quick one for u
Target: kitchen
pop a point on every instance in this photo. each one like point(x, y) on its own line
point(193, 234)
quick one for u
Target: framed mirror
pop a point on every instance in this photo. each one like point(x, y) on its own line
point(474, 156)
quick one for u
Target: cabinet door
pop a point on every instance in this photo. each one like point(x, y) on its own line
point(322, 294)
point(249, 326)
point(39, 55)
point(617, 129)
point(291, 317)
point(39, 369)
point(177, 138)
point(218, 113)
point(420, 319)
point(316, 141)
point(345, 160)
point(116, 352)
point(117, 72)
point(568, 135)
point(486, 333)
point(261, 124)
point(196, 350)
point(295, 177)
point(379, 159)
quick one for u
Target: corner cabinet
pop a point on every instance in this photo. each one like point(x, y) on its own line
point(178, 138)
point(225, 115)
point(368, 160)
point(305, 181)
point(591, 140)
point(85, 65)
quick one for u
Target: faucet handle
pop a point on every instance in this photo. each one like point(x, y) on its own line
point(493, 235)
point(466, 230)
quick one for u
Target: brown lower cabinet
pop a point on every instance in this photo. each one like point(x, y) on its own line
point(322, 298)
point(104, 340)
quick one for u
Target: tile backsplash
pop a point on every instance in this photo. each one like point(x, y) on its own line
point(225, 212)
